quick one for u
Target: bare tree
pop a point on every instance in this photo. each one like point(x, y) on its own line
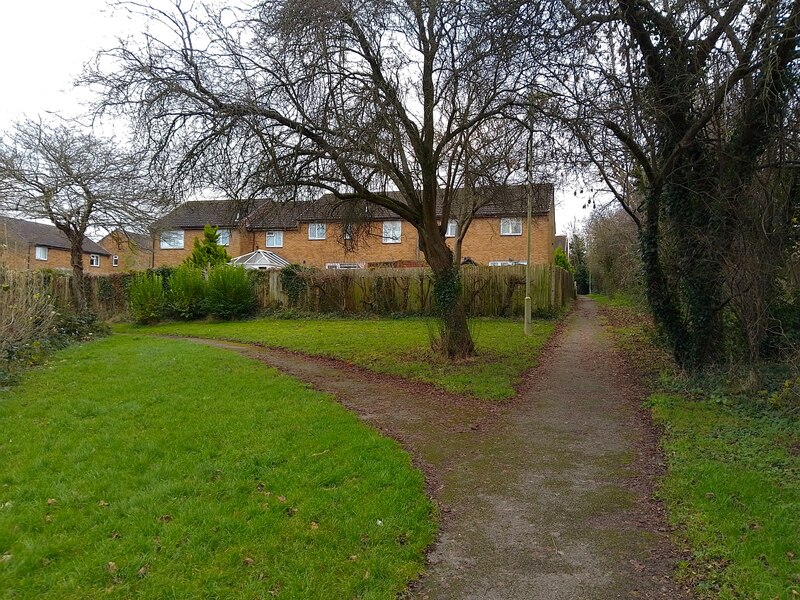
point(353, 98)
point(76, 180)
point(677, 107)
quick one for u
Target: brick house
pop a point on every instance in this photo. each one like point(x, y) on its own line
point(129, 251)
point(319, 234)
point(25, 245)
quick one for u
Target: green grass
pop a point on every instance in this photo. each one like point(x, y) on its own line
point(733, 482)
point(734, 490)
point(153, 468)
point(395, 346)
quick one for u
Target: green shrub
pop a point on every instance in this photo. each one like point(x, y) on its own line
point(187, 293)
point(562, 261)
point(230, 293)
point(207, 252)
point(146, 298)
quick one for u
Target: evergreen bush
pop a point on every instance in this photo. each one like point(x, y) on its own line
point(146, 298)
point(230, 293)
point(207, 252)
point(186, 297)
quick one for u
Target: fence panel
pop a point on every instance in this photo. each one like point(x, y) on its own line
point(486, 291)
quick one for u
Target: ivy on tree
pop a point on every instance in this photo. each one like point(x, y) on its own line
point(207, 252)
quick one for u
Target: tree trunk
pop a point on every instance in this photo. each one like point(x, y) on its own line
point(76, 260)
point(456, 339)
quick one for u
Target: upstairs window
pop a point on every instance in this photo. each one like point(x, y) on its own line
point(41, 252)
point(94, 260)
point(511, 226)
point(391, 232)
point(274, 239)
point(115, 261)
point(224, 237)
point(172, 240)
point(347, 231)
point(452, 228)
point(316, 231)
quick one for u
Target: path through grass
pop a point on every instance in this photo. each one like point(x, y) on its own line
point(153, 468)
point(395, 346)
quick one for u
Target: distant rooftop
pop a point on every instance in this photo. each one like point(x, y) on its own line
point(501, 201)
point(40, 234)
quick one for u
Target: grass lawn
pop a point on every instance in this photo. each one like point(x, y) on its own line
point(396, 346)
point(733, 483)
point(734, 490)
point(154, 468)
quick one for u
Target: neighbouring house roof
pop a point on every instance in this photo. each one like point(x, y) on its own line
point(500, 201)
point(141, 241)
point(40, 234)
point(260, 259)
point(199, 213)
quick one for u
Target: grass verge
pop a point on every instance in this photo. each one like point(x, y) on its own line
point(733, 484)
point(153, 468)
point(394, 346)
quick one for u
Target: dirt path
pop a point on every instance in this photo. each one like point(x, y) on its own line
point(546, 497)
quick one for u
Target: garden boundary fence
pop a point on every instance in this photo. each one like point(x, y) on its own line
point(486, 291)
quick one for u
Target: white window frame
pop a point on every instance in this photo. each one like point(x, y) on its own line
point(41, 252)
point(452, 229)
point(115, 261)
point(226, 241)
point(277, 239)
point(172, 240)
point(343, 266)
point(94, 260)
point(506, 263)
point(511, 226)
point(392, 232)
point(317, 231)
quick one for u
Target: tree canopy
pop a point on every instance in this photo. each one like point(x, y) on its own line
point(354, 98)
point(63, 172)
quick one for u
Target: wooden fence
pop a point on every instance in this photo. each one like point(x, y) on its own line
point(486, 291)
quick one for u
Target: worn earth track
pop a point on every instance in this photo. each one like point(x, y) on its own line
point(545, 497)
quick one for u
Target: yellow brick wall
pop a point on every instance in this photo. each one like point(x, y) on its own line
point(131, 257)
point(297, 248)
point(22, 257)
point(174, 257)
point(483, 243)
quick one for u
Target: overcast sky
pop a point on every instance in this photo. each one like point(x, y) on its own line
point(45, 43)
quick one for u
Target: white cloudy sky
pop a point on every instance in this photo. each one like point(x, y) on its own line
point(45, 43)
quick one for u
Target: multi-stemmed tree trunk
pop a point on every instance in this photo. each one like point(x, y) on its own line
point(690, 100)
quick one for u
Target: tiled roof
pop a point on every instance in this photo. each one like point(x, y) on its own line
point(40, 234)
point(141, 241)
point(198, 214)
point(502, 201)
